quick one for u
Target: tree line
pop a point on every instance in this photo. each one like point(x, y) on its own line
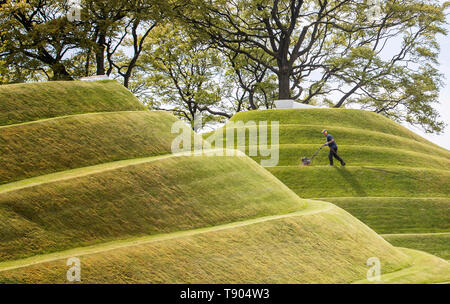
point(219, 57)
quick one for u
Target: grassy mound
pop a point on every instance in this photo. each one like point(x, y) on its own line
point(33, 101)
point(59, 144)
point(163, 195)
point(395, 181)
point(425, 269)
point(310, 135)
point(103, 187)
point(325, 247)
point(329, 118)
point(290, 155)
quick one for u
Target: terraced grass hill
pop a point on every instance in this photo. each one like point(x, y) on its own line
point(395, 181)
point(100, 184)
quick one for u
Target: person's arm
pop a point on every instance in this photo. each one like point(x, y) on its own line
point(329, 143)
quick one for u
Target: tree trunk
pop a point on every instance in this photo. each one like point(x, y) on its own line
point(60, 72)
point(100, 54)
point(284, 89)
point(251, 100)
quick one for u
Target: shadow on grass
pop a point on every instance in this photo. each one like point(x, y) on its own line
point(352, 181)
point(385, 171)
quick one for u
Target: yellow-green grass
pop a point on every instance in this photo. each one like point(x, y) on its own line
point(395, 181)
point(309, 182)
point(418, 223)
point(70, 142)
point(425, 269)
point(163, 195)
point(320, 247)
point(328, 118)
point(291, 155)
point(33, 101)
point(394, 215)
point(434, 243)
point(311, 135)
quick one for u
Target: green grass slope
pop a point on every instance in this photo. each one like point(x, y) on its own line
point(326, 245)
point(434, 243)
point(290, 155)
point(396, 215)
point(307, 134)
point(33, 101)
point(70, 142)
point(103, 186)
point(160, 196)
point(329, 118)
point(395, 181)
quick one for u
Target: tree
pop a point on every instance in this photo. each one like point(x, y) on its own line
point(185, 74)
point(36, 34)
point(124, 64)
point(292, 33)
point(319, 49)
point(402, 82)
point(252, 84)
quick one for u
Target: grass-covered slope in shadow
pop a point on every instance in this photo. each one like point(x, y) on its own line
point(33, 101)
point(433, 243)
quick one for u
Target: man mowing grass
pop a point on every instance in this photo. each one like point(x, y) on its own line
point(333, 148)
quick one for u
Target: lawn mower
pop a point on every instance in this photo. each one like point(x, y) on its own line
point(307, 161)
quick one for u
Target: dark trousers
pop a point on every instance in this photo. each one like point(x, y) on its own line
point(333, 153)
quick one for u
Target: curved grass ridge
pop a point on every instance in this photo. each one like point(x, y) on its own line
point(370, 181)
point(161, 218)
point(64, 143)
point(290, 155)
point(311, 135)
point(348, 118)
point(261, 251)
point(34, 101)
point(425, 269)
point(395, 180)
point(159, 196)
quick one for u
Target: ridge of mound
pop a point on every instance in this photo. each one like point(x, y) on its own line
point(26, 102)
point(70, 142)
